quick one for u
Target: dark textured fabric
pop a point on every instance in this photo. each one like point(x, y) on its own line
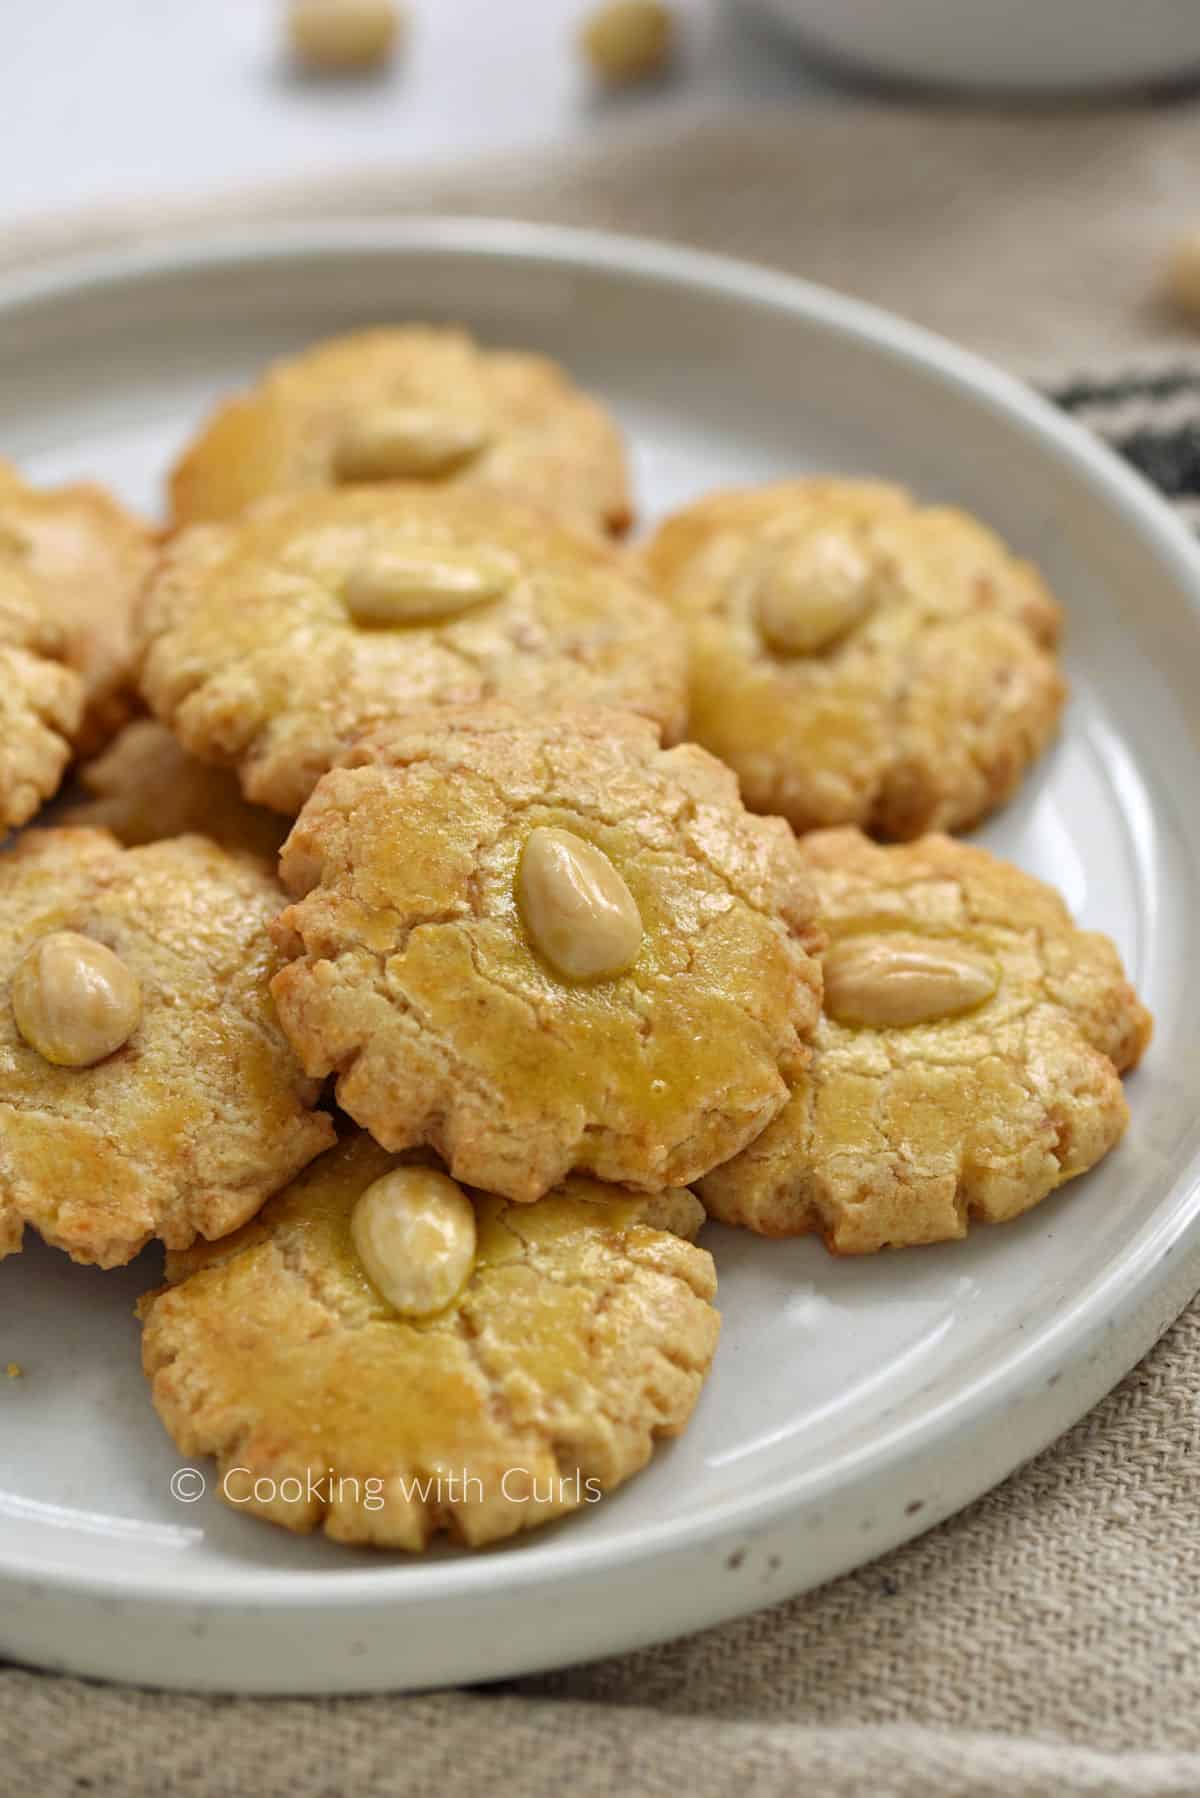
point(1151, 416)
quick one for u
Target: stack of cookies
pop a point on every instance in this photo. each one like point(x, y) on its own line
point(460, 906)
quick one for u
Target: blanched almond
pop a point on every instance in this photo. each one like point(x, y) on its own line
point(628, 40)
point(414, 1231)
point(893, 979)
point(406, 443)
point(576, 907)
point(74, 1001)
point(410, 586)
point(811, 593)
point(332, 36)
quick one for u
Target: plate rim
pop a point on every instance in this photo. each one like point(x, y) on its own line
point(1118, 1305)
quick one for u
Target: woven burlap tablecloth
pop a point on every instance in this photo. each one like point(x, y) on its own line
point(1046, 1640)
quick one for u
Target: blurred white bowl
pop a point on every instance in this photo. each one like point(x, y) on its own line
point(1029, 46)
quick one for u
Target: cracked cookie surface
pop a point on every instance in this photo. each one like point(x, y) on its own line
point(858, 659)
point(41, 700)
point(582, 1336)
point(514, 421)
point(146, 787)
point(259, 656)
point(904, 1134)
point(91, 560)
point(204, 1110)
point(413, 976)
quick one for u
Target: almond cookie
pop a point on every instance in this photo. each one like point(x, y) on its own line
point(91, 558)
point(858, 659)
point(404, 404)
point(572, 1335)
point(146, 787)
point(967, 1063)
point(545, 946)
point(41, 700)
point(275, 642)
point(145, 1088)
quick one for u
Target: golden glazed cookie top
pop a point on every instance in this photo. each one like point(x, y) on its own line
point(91, 558)
point(41, 700)
point(967, 1062)
point(428, 968)
point(407, 403)
point(583, 1332)
point(272, 644)
point(145, 787)
point(858, 659)
point(145, 1087)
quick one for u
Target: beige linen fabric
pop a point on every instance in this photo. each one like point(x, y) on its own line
point(1047, 1640)
point(1033, 238)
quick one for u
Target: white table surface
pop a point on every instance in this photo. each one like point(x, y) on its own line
point(113, 101)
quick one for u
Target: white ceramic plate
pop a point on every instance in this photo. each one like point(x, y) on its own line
point(1005, 46)
point(853, 1403)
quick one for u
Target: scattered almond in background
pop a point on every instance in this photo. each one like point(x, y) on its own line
point(625, 41)
point(343, 36)
point(1182, 281)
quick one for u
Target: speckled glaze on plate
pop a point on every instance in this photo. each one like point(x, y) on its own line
point(853, 1403)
